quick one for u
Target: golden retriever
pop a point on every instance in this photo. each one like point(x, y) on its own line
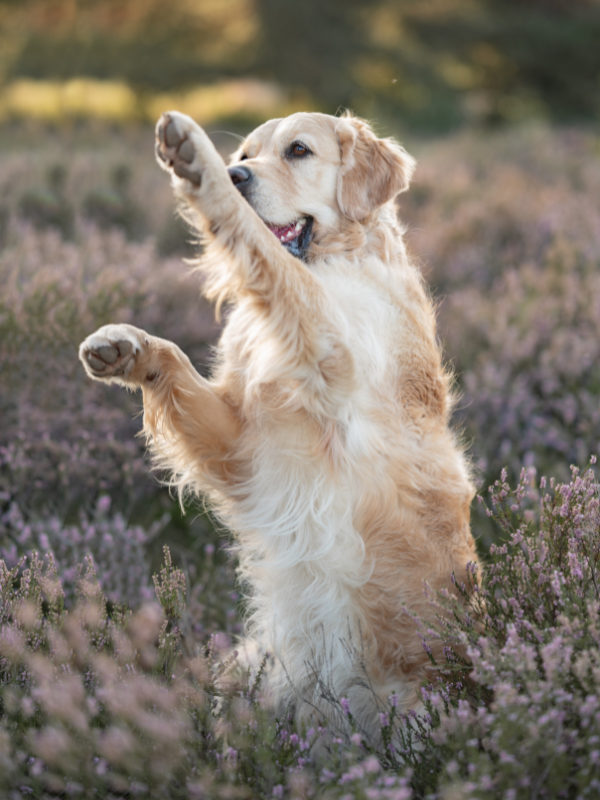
point(323, 438)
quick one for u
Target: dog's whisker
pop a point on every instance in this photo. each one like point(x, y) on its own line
point(230, 133)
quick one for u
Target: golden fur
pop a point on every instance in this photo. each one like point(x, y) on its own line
point(323, 438)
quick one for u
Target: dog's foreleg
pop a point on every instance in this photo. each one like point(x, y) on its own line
point(191, 426)
point(245, 260)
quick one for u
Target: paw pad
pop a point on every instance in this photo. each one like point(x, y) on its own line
point(109, 358)
point(176, 150)
point(107, 353)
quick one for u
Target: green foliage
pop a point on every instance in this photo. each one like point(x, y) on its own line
point(170, 588)
point(49, 208)
point(433, 65)
point(114, 207)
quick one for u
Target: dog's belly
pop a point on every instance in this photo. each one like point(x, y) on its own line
point(296, 516)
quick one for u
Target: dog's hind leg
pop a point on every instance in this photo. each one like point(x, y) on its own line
point(192, 427)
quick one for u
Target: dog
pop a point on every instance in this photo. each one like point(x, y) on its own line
point(323, 439)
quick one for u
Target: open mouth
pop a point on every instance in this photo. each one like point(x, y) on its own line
point(295, 237)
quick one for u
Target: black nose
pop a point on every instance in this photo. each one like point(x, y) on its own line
point(239, 176)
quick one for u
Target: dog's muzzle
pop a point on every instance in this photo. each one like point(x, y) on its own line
point(296, 236)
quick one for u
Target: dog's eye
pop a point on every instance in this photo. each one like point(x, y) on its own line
point(298, 150)
point(243, 157)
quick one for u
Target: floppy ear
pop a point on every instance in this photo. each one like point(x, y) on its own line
point(373, 170)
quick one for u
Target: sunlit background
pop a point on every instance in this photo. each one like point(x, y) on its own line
point(431, 65)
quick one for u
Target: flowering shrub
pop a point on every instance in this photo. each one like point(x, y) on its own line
point(515, 711)
point(122, 579)
point(67, 445)
point(508, 230)
point(115, 703)
point(121, 561)
point(64, 438)
point(97, 700)
point(125, 704)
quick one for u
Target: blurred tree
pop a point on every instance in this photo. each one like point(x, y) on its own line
point(49, 207)
point(435, 63)
point(149, 43)
point(515, 57)
point(313, 46)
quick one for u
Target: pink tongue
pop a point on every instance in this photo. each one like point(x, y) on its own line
point(279, 232)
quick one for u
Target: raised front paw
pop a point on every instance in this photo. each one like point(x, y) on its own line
point(178, 142)
point(111, 353)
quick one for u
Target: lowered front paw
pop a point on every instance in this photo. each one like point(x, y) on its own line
point(111, 353)
point(178, 142)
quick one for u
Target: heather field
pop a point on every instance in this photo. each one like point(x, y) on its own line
point(117, 684)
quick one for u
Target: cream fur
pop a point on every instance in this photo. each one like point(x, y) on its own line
point(323, 438)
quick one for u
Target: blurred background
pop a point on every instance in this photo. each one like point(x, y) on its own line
point(431, 65)
point(498, 99)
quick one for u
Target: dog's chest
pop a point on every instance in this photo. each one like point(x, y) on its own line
point(299, 427)
point(268, 352)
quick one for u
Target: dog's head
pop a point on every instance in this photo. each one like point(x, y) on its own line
point(309, 174)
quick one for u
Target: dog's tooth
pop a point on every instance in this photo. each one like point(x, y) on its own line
point(283, 238)
point(298, 226)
